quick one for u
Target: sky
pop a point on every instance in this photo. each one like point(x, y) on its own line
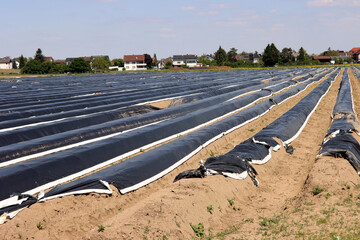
point(73, 28)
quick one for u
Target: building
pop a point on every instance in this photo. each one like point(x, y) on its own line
point(188, 60)
point(253, 57)
point(355, 54)
point(162, 63)
point(48, 59)
point(135, 62)
point(323, 59)
point(6, 63)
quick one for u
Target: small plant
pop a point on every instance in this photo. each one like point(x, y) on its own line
point(317, 190)
point(146, 230)
point(321, 221)
point(251, 130)
point(220, 209)
point(142, 150)
point(18, 225)
point(101, 228)
point(40, 225)
point(119, 209)
point(198, 230)
point(347, 186)
point(231, 201)
point(212, 154)
point(328, 195)
point(250, 220)
point(210, 209)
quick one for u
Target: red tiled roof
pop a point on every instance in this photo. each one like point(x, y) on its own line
point(355, 49)
point(322, 58)
point(87, 59)
point(48, 59)
point(5, 60)
point(59, 61)
point(134, 58)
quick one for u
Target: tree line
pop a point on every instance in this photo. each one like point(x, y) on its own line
point(269, 58)
point(38, 65)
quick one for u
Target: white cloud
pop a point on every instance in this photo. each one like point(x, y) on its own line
point(188, 8)
point(208, 13)
point(225, 6)
point(333, 3)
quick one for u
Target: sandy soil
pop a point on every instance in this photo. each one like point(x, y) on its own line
point(299, 197)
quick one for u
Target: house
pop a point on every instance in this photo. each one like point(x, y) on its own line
point(323, 59)
point(58, 61)
point(355, 54)
point(48, 59)
point(188, 60)
point(162, 63)
point(135, 62)
point(6, 63)
point(242, 57)
point(253, 57)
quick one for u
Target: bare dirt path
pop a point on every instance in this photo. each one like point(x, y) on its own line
point(282, 207)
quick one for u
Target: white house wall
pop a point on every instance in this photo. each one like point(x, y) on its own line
point(5, 65)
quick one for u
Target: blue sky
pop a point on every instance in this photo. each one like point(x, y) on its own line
point(71, 28)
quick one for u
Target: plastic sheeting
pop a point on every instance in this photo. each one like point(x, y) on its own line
point(55, 135)
point(138, 171)
point(339, 141)
point(133, 173)
point(257, 150)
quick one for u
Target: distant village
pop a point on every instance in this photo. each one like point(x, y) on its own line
point(145, 61)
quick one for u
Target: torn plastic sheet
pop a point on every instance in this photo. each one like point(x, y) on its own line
point(257, 150)
point(345, 146)
point(338, 141)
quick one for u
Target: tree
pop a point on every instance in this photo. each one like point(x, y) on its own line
point(33, 67)
point(100, 63)
point(232, 54)
point(332, 53)
point(59, 68)
point(118, 62)
point(39, 56)
point(22, 61)
point(302, 55)
point(148, 60)
point(168, 64)
point(79, 65)
point(286, 55)
point(271, 55)
point(206, 61)
point(155, 60)
point(220, 56)
point(14, 65)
